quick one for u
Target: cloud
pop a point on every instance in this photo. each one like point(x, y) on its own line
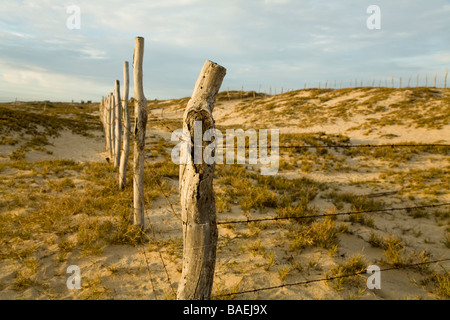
point(28, 82)
point(270, 43)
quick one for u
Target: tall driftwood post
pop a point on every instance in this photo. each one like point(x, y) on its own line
point(196, 191)
point(117, 124)
point(140, 125)
point(127, 128)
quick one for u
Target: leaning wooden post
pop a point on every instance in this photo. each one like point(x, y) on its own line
point(127, 128)
point(117, 124)
point(140, 125)
point(196, 190)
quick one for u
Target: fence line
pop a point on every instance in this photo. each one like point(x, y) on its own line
point(149, 271)
point(285, 218)
point(290, 146)
point(332, 214)
point(303, 217)
point(132, 136)
point(142, 199)
point(328, 278)
point(358, 146)
point(160, 255)
point(141, 113)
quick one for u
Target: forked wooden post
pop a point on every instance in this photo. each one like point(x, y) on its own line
point(127, 128)
point(139, 133)
point(196, 192)
point(117, 124)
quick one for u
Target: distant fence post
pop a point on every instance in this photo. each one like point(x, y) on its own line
point(112, 121)
point(101, 112)
point(117, 124)
point(139, 132)
point(108, 126)
point(127, 128)
point(445, 79)
point(196, 191)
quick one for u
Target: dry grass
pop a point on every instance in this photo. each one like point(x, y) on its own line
point(62, 210)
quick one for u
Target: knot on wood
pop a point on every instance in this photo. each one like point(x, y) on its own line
point(196, 115)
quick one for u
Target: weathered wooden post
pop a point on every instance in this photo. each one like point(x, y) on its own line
point(196, 191)
point(106, 118)
point(100, 111)
point(108, 125)
point(112, 106)
point(140, 125)
point(127, 128)
point(117, 124)
point(445, 79)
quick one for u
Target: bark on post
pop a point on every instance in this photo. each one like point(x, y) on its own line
point(140, 125)
point(127, 128)
point(196, 192)
point(117, 124)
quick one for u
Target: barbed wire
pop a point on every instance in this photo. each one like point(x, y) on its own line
point(343, 146)
point(294, 217)
point(142, 197)
point(290, 146)
point(154, 176)
point(148, 270)
point(328, 278)
point(331, 214)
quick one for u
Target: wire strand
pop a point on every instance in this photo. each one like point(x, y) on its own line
point(327, 278)
point(331, 215)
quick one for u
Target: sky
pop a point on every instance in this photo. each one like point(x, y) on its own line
point(264, 45)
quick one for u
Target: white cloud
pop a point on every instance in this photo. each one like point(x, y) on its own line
point(31, 82)
point(91, 53)
point(283, 41)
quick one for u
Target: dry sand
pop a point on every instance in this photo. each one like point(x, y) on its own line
point(126, 272)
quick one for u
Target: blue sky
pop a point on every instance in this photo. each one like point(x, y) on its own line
point(263, 44)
